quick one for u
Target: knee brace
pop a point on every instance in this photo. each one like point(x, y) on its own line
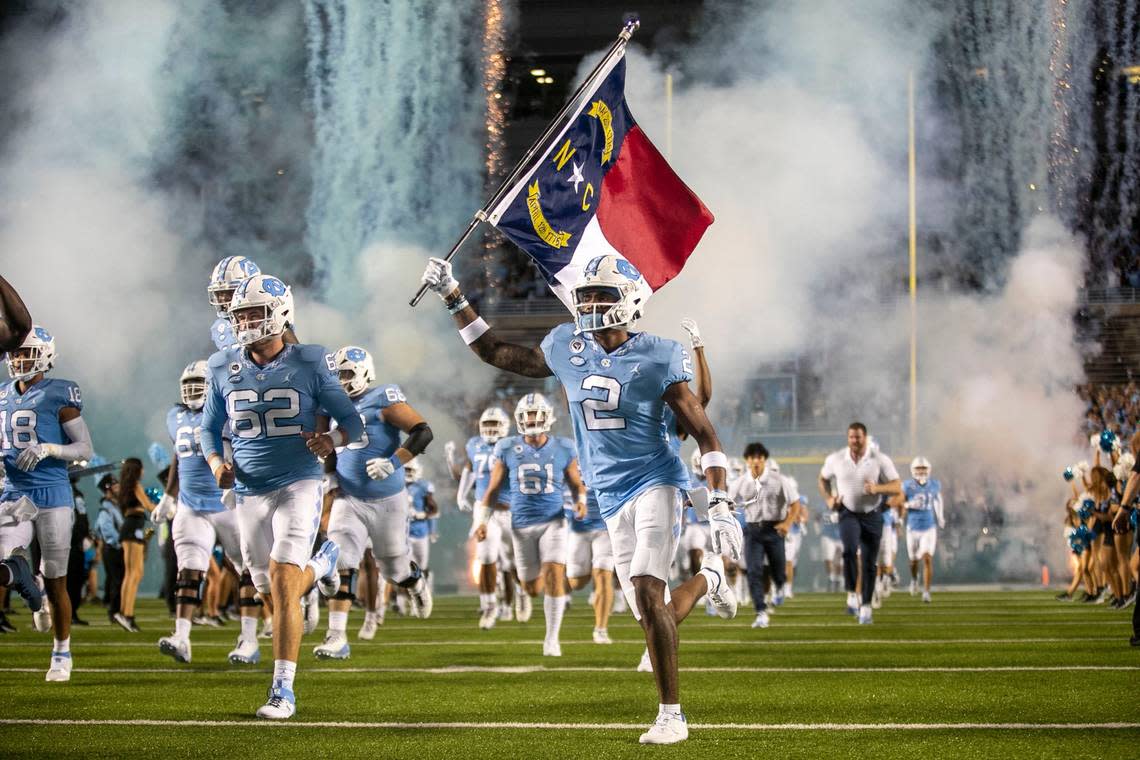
point(347, 588)
point(247, 594)
point(188, 587)
point(413, 578)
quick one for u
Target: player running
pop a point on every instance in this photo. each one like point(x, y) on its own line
point(369, 498)
point(591, 557)
point(424, 512)
point(41, 430)
point(618, 384)
point(495, 553)
point(274, 396)
point(201, 520)
point(536, 465)
point(923, 514)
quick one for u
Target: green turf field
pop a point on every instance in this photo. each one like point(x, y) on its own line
point(996, 675)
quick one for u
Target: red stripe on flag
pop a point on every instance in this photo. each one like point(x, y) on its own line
point(647, 213)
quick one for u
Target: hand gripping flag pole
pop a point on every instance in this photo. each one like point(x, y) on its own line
point(539, 146)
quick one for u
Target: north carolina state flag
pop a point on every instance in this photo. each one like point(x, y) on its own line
point(602, 188)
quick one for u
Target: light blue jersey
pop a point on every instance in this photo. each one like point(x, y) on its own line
point(418, 491)
point(617, 410)
point(197, 486)
point(537, 476)
point(675, 440)
point(593, 519)
point(920, 501)
point(481, 455)
point(889, 518)
point(268, 408)
point(380, 439)
point(222, 333)
point(29, 419)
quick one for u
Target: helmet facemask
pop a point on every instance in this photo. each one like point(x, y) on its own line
point(193, 392)
point(220, 297)
point(598, 308)
point(253, 324)
point(491, 431)
point(26, 362)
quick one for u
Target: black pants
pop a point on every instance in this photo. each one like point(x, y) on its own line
point(114, 569)
point(860, 532)
point(764, 541)
point(76, 570)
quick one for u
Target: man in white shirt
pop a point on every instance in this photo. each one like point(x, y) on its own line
point(771, 505)
point(851, 482)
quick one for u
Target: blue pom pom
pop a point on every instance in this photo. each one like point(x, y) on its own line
point(1107, 441)
point(154, 494)
point(1068, 474)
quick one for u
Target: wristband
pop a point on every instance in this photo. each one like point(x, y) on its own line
point(717, 495)
point(714, 459)
point(216, 464)
point(458, 306)
point(474, 331)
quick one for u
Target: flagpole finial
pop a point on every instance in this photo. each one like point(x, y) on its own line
point(631, 22)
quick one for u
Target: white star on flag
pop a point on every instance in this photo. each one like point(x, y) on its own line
point(576, 176)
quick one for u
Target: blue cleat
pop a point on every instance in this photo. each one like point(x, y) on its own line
point(282, 703)
point(324, 568)
point(335, 647)
point(24, 580)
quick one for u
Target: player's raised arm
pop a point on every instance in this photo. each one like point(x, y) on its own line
point(700, 363)
point(476, 333)
point(15, 321)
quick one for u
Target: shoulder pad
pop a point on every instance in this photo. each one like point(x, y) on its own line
point(311, 352)
point(220, 359)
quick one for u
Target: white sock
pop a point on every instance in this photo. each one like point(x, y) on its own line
point(182, 628)
point(62, 645)
point(553, 607)
point(338, 621)
point(668, 709)
point(852, 599)
point(248, 629)
point(487, 602)
point(283, 674)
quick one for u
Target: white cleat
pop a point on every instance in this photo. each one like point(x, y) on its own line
point(506, 614)
point(422, 599)
point(41, 618)
point(487, 619)
point(335, 647)
point(311, 610)
point(602, 636)
point(761, 620)
point(281, 705)
point(266, 629)
point(926, 597)
point(720, 593)
point(323, 563)
point(523, 606)
point(368, 628)
point(646, 664)
point(245, 653)
point(865, 615)
point(551, 649)
point(876, 599)
point(667, 729)
point(179, 649)
point(913, 588)
point(60, 669)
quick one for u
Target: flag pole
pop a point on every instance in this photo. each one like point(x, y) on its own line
point(617, 48)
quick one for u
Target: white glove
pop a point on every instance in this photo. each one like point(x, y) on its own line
point(449, 452)
point(438, 277)
point(165, 509)
point(15, 512)
point(463, 503)
point(30, 457)
point(694, 332)
point(229, 499)
point(380, 467)
point(419, 515)
point(727, 537)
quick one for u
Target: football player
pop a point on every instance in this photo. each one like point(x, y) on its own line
point(591, 557)
point(424, 512)
point(495, 553)
point(536, 465)
point(793, 543)
point(275, 397)
point(201, 520)
point(41, 430)
point(618, 383)
point(923, 513)
point(369, 498)
point(888, 548)
point(831, 547)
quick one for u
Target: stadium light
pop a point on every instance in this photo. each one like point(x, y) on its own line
point(538, 72)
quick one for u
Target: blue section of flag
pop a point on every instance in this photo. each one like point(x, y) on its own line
point(569, 179)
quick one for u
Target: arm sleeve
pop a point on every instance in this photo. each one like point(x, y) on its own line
point(80, 446)
point(938, 505)
point(466, 481)
point(213, 421)
point(332, 399)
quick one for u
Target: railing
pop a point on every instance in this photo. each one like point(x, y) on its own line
point(1108, 296)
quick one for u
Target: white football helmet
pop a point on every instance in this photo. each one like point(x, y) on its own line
point(227, 275)
point(493, 424)
point(413, 470)
point(536, 404)
point(357, 363)
point(192, 384)
point(622, 281)
point(271, 302)
point(920, 470)
point(35, 355)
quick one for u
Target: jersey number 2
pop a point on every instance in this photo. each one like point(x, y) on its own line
point(592, 406)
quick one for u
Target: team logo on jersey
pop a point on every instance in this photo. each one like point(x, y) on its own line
point(606, 363)
point(235, 368)
point(577, 346)
point(577, 361)
point(518, 449)
point(3, 394)
point(261, 375)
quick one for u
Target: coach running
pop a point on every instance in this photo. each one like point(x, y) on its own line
point(862, 474)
